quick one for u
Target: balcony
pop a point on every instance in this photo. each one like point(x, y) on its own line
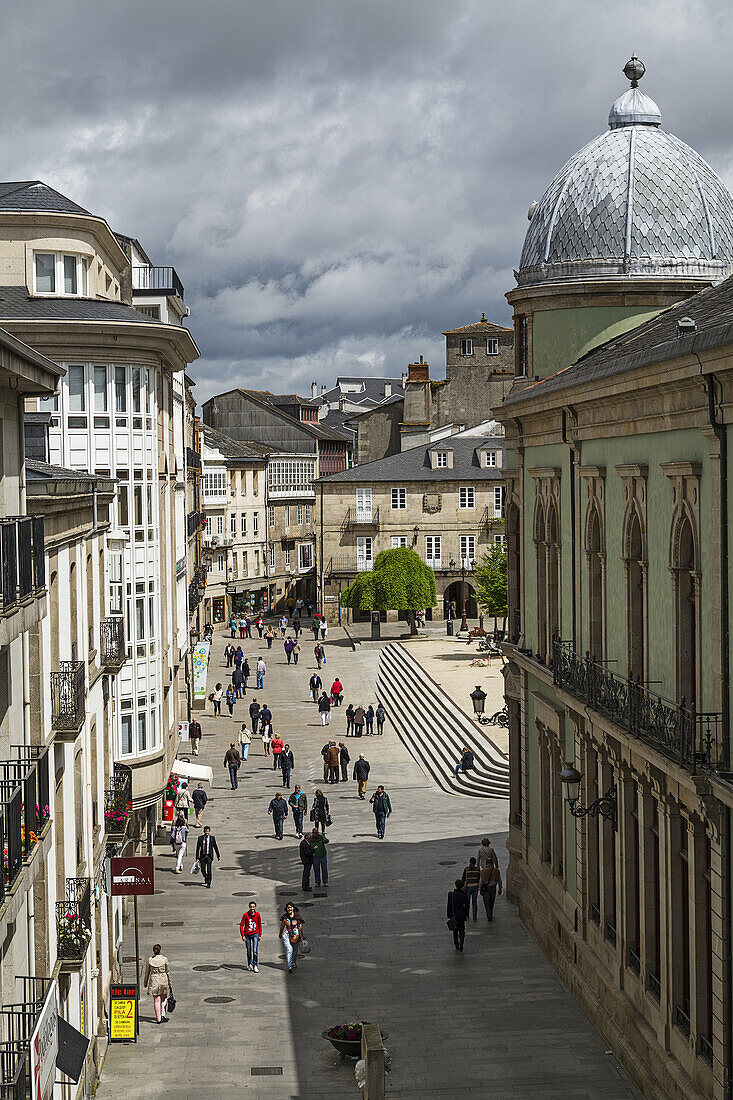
point(490, 521)
point(68, 699)
point(193, 459)
point(17, 1023)
point(118, 802)
point(22, 559)
point(74, 922)
point(361, 518)
point(692, 739)
point(194, 522)
point(112, 642)
point(348, 566)
point(515, 626)
point(24, 810)
point(156, 280)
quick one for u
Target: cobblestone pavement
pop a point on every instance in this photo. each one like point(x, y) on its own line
point(492, 1022)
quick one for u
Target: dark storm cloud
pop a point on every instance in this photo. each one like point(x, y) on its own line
point(337, 182)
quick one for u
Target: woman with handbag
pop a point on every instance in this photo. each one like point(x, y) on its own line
point(179, 836)
point(158, 983)
point(290, 932)
point(490, 880)
point(320, 814)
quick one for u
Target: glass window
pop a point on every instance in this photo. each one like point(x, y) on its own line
point(149, 489)
point(136, 408)
point(397, 541)
point(49, 404)
point(208, 525)
point(100, 389)
point(300, 513)
point(142, 738)
point(271, 519)
point(233, 524)
point(364, 553)
point(498, 501)
point(140, 618)
point(220, 525)
point(307, 513)
point(139, 506)
point(152, 739)
point(244, 523)
point(466, 496)
point(287, 559)
point(272, 556)
point(491, 458)
point(287, 515)
point(120, 390)
point(45, 273)
point(70, 286)
point(492, 345)
point(442, 458)
point(76, 389)
point(123, 512)
point(126, 738)
point(432, 549)
point(255, 523)
point(151, 615)
point(468, 550)
point(305, 555)
point(466, 347)
point(399, 498)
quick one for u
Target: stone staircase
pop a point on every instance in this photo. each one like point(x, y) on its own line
point(434, 729)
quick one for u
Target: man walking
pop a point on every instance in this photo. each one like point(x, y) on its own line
point(261, 670)
point(314, 686)
point(332, 759)
point(359, 716)
point(194, 733)
point(200, 798)
point(320, 860)
point(382, 808)
point(361, 774)
point(279, 809)
point(287, 763)
point(237, 682)
point(306, 858)
point(298, 804)
point(206, 849)
point(251, 929)
point(324, 754)
point(233, 760)
point(337, 689)
point(254, 715)
point(344, 759)
point(380, 714)
point(318, 654)
point(457, 913)
point(277, 747)
point(324, 709)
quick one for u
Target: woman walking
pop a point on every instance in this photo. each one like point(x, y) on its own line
point(246, 673)
point(288, 647)
point(472, 881)
point(324, 709)
point(369, 717)
point(291, 930)
point(231, 698)
point(216, 697)
point(251, 930)
point(266, 737)
point(245, 739)
point(350, 720)
point(320, 814)
point(158, 982)
point(179, 836)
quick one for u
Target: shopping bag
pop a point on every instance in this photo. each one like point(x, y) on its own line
point(195, 869)
point(304, 947)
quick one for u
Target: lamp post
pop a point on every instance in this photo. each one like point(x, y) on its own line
point(478, 698)
point(604, 806)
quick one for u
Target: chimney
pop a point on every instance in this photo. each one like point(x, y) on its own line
point(387, 389)
point(418, 372)
point(314, 390)
point(323, 389)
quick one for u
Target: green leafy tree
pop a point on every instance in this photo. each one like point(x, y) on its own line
point(491, 581)
point(399, 581)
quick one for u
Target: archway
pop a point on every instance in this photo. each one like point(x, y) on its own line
point(687, 614)
point(452, 595)
point(594, 547)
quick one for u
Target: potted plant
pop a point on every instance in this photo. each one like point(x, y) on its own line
point(346, 1038)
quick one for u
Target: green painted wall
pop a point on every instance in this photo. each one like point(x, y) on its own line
point(560, 336)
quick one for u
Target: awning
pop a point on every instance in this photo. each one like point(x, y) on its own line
point(193, 771)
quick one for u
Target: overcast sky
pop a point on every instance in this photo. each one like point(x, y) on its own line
point(337, 182)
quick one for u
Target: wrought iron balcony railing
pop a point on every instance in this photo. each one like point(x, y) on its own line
point(24, 809)
point(22, 559)
point(157, 280)
point(17, 1023)
point(193, 459)
point(199, 577)
point(194, 598)
point(118, 801)
point(194, 522)
point(360, 517)
point(112, 642)
point(692, 738)
point(345, 566)
point(74, 920)
point(68, 697)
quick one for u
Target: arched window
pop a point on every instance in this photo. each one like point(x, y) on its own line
point(539, 540)
point(514, 565)
point(635, 597)
point(594, 552)
point(687, 612)
point(553, 576)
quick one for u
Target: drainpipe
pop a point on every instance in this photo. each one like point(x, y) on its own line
point(571, 456)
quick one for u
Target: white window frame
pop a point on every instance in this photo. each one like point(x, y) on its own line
point(272, 555)
point(220, 526)
point(492, 345)
point(433, 550)
point(364, 553)
point(215, 483)
point(500, 540)
point(466, 497)
point(287, 559)
point(243, 525)
point(233, 525)
point(305, 551)
point(466, 346)
point(467, 546)
point(441, 459)
point(398, 541)
point(492, 458)
point(221, 563)
point(499, 495)
point(81, 275)
point(399, 499)
point(255, 523)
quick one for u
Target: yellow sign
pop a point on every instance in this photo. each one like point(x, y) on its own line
point(122, 1014)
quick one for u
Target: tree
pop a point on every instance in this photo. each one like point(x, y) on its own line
point(399, 581)
point(491, 581)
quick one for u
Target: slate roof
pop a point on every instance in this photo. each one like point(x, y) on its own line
point(284, 398)
point(339, 422)
point(414, 464)
point(34, 195)
point(45, 471)
point(371, 395)
point(263, 397)
point(651, 342)
point(16, 304)
point(482, 326)
point(228, 447)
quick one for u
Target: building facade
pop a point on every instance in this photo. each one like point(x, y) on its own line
point(617, 526)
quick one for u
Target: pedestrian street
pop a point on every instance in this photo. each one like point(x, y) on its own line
point(493, 1021)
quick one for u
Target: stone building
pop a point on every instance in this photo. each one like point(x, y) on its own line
point(444, 500)
point(618, 681)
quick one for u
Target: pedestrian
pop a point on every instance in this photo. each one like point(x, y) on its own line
point(336, 692)
point(315, 629)
point(216, 697)
point(457, 912)
point(296, 625)
point(309, 608)
point(291, 927)
point(269, 637)
point(231, 699)
point(157, 981)
point(350, 720)
point(465, 763)
point(296, 649)
point(369, 719)
point(320, 858)
point(359, 716)
point(314, 686)
point(200, 798)
point(184, 802)
point(490, 880)
point(232, 761)
point(229, 654)
point(344, 760)
point(266, 717)
point(233, 627)
point(324, 754)
point(288, 647)
point(242, 626)
point(179, 836)
point(266, 737)
point(261, 670)
point(254, 715)
point(238, 682)
point(279, 809)
point(318, 653)
point(247, 626)
point(283, 625)
point(324, 629)
point(380, 714)
point(245, 739)
point(324, 709)
point(246, 673)
point(320, 812)
point(287, 763)
point(260, 625)
point(486, 853)
point(382, 808)
point(194, 733)
point(306, 858)
point(472, 882)
point(277, 747)
point(250, 928)
point(238, 656)
point(361, 774)
point(206, 849)
point(332, 759)
point(298, 803)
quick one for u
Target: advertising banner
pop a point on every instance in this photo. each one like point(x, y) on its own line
point(200, 668)
point(44, 1047)
point(131, 875)
point(122, 1014)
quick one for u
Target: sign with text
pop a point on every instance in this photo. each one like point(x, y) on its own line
point(183, 731)
point(131, 875)
point(200, 660)
point(44, 1047)
point(123, 1014)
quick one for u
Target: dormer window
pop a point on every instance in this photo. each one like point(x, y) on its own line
point(491, 458)
point(60, 273)
point(442, 459)
point(466, 347)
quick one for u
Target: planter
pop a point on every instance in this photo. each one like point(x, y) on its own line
point(348, 1048)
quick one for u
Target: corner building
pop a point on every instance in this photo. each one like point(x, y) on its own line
point(618, 532)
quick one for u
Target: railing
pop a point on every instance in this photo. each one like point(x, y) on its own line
point(199, 577)
point(112, 641)
point(24, 809)
point(68, 696)
point(22, 558)
point(118, 801)
point(705, 1048)
point(692, 739)
point(194, 522)
point(610, 933)
point(360, 517)
point(74, 920)
point(595, 913)
point(681, 1020)
point(489, 519)
point(17, 1024)
point(653, 985)
point(348, 565)
point(515, 626)
point(194, 598)
point(162, 280)
point(193, 459)
point(633, 961)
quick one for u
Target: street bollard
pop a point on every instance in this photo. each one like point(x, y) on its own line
point(372, 1051)
point(449, 628)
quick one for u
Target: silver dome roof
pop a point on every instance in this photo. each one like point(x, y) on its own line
point(635, 201)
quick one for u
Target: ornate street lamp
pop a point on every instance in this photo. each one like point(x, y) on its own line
point(604, 807)
point(478, 698)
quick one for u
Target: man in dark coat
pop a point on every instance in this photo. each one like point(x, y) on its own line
point(287, 763)
point(306, 858)
point(206, 849)
point(279, 809)
point(344, 759)
point(254, 715)
point(361, 774)
point(457, 911)
point(359, 716)
point(237, 681)
point(466, 763)
point(194, 733)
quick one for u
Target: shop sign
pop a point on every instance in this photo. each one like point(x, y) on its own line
point(123, 1014)
point(44, 1047)
point(131, 875)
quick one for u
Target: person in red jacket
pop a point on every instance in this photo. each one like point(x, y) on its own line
point(276, 747)
point(337, 689)
point(251, 930)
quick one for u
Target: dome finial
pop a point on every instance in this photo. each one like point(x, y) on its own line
point(634, 70)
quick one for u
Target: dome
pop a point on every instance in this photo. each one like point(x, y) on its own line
point(636, 201)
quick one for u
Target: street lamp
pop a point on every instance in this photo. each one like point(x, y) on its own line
point(478, 698)
point(604, 806)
